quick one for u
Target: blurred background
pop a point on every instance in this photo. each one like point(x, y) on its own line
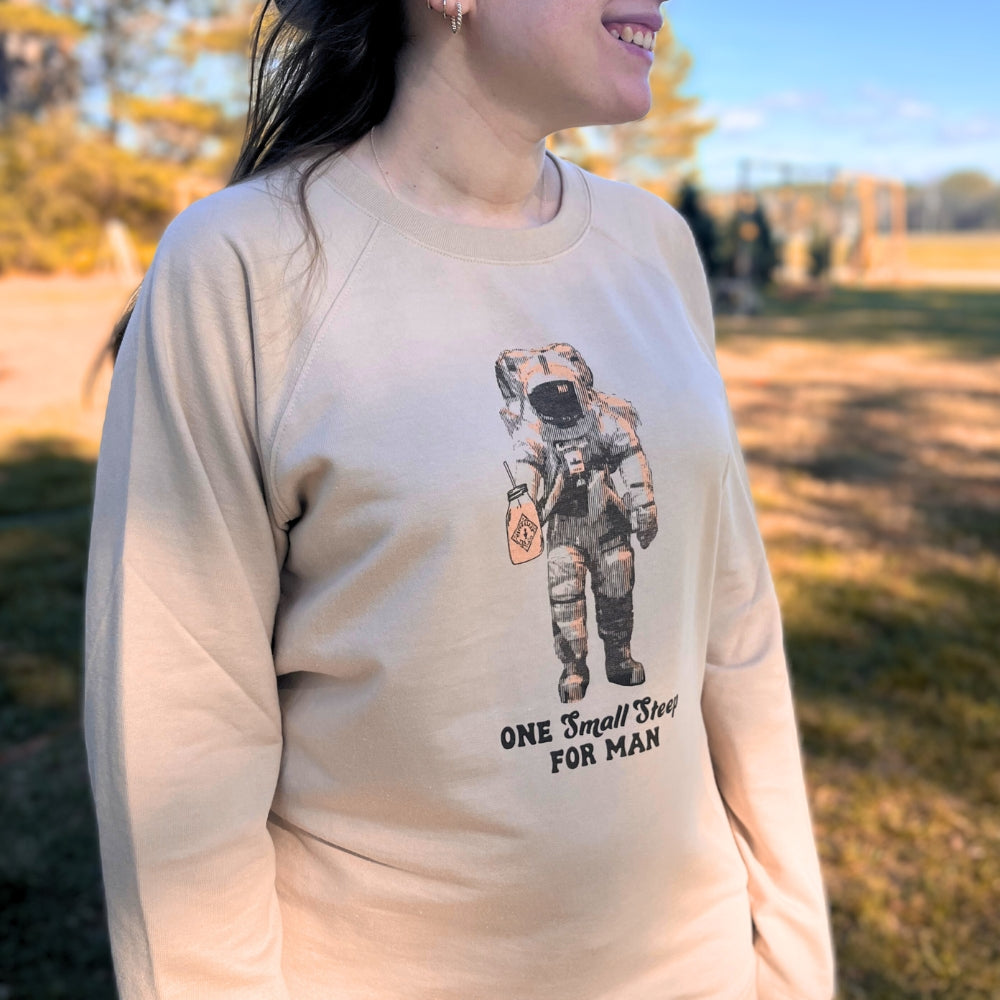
point(840, 166)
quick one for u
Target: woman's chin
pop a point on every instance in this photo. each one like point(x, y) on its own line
point(627, 108)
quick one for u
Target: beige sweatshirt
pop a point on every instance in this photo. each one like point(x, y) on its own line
point(431, 647)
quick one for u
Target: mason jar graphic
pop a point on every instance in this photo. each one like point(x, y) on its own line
point(524, 526)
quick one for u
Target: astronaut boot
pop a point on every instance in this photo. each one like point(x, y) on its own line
point(619, 665)
point(574, 680)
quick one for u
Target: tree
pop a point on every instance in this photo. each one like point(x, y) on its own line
point(39, 69)
point(176, 128)
point(130, 43)
point(122, 39)
point(748, 248)
point(702, 224)
point(63, 180)
point(652, 151)
point(222, 35)
point(820, 254)
point(967, 197)
point(59, 186)
point(136, 58)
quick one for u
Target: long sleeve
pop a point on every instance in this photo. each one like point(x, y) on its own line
point(182, 722)
point(748, 710)
point(753, 741)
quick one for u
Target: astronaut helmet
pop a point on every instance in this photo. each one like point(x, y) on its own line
point(554, 381)
point(556, 402)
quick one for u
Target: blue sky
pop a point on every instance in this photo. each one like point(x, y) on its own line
point(904, 89)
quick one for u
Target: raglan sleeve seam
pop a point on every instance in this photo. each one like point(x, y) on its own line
point(315, 330)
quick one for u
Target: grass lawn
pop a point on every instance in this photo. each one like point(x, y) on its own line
point(871, 425)
point(53, 942)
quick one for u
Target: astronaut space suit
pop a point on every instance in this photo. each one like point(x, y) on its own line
point(578, 450)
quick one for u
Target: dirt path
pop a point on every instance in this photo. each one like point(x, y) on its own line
point(51, 330)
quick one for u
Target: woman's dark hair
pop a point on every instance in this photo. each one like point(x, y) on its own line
point(322, 73)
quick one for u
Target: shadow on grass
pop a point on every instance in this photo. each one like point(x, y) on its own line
point(909, 682)
point(888, 542)
point(897, 685)
point(898, 697)
point(45, 496)
point(907, 649)
point(967, 321)
point(53, 938)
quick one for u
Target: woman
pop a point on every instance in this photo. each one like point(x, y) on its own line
point(385, 409)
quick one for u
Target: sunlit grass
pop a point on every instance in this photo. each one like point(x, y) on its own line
point(871, 423)
point(972, 250)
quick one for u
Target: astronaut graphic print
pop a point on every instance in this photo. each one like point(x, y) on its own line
point(580, 488)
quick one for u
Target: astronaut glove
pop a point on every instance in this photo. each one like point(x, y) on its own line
point(645, 520)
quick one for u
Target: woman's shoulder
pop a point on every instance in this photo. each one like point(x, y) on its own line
point(265, 218)
point(651, 230)
point(236, 212)
point(236, 275)
point(618, 196)
point(628, 213)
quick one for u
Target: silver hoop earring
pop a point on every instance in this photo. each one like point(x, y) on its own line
point(456, 21)
point(444, 10)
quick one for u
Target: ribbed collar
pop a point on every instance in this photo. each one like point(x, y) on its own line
point(457, 239)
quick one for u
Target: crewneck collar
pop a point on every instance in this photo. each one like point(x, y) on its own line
point(458, 239)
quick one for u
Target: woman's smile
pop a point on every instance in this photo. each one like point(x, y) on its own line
point(634, 36)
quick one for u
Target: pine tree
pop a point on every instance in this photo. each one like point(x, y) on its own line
point(39, 69)
point(702, 224)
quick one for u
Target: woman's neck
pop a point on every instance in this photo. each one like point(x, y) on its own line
point(459, 179)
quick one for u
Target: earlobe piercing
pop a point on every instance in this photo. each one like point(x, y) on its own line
point(456, 18)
